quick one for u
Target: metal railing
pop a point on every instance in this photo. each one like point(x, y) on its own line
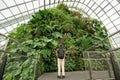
point(108, 56)
point(4, 56)
point(109, 59)
point(3, 59)
point(95, 62)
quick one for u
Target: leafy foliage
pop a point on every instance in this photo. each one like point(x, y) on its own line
point(39, 39)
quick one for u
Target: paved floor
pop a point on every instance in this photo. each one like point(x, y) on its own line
point(76, 75)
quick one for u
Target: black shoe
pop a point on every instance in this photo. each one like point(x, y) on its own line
point(58, 77)
point(63, 76)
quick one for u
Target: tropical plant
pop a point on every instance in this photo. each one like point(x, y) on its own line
point(38, 41)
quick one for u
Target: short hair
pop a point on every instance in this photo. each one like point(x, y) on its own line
point(60, 45)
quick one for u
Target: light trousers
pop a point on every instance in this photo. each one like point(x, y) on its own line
point(61, 67)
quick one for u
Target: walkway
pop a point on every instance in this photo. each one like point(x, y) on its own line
point(76, 75)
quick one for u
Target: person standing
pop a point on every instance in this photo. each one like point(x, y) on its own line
point(60, 54)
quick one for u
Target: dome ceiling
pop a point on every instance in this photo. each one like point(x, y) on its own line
point(15, 12)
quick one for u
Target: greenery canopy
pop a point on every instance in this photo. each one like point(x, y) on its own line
point(39, 39)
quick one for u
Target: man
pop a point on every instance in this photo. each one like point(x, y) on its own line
point(60, 54)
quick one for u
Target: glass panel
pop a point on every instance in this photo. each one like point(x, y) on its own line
point(91, 3)
point(20, 15)
point(86, 1)
point(1, 17)
point(56, 0)
point(97, 10)
point(118, 45)
point(104, 4)
point(111, 12)
point(37, 9)
point(2, 5)
point(100, 13)
point(3, 31)
point(4, 20)
point(27, 20)
point(2, 43)
point(6, 13)
point(116, 36)
point(107, 21)
point(51, 6)
point(29, 5)
point(52, 1)
point(89, 12)
point(82, 1)
point(24, 13)
point(75, 4)
point(19, 1)
point(15, 10)
point(79, 5)
point(112, 40)
point(76, 0)
point(114, 45)
point(99, 2)
point(15, 25)
point(93, 7)
point(9, 2)
point(117, 22)
point(109, 26)
point(71, 3)
point(55, 5)
point(11, 18)
point(112, 30)
point(117, 7)
point(46, 1)
point(117, 40)
point(114, 16)
point(114, 2)
point(86, 9)
point(9, 28)
point(103, 17)
point(28, 0)
point(22, 22)
point(107, 8)
point(22, 8)
point(41, 2)
point(96, 17)
point(83, 7)
point(92, 15)
point(36, 4)
point(67, 3)
point(118, 27)
point(31, 11)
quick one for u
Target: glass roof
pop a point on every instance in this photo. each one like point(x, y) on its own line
point(14, 12)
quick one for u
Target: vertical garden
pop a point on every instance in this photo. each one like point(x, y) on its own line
point(37, 41)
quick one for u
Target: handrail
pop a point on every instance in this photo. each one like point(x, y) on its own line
point(16, 54)
point(9, 38)
point(12, 53)
point(107, 51)
point(115, 65)
point(3, 35)
point(4, 60)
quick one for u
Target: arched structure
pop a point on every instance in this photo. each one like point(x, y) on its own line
point(15, 12)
